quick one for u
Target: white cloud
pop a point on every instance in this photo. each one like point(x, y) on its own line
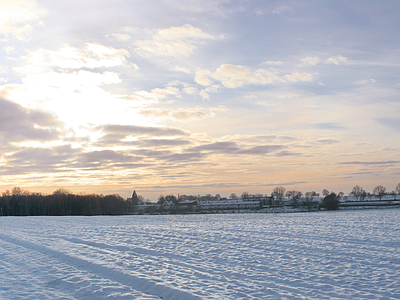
point(299, 77)
point(17, 18)
point(164, 48)
point(184, 32)
point(144, 98)
point(9, 49)
point(179, 114)
point(91, 55)
point(310, 61)
point(190, 90)
point(182, 114)
point(211, 89)
point(180, 69)
point(119, 36)
point(282, 9)
point(289, 96)
point(233, 76)
point(338, 60)
point(259, 12)
point(272, 62)
point(366, 81)
point(202, 77)
point(173, 41)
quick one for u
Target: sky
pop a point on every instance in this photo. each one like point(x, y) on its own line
point(199, 96)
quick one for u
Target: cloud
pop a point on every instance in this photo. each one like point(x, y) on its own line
point(233, 76)
point(310, 61)
point(218, 7)
point(211, 89)
point(329, 126)
point(71, 81)
point(179, 114)
point(180, 69)
point(102, 158)
point(338, 60)
point(78, 97)
point(262, 150)
point(65, 159)
point(18, 124)
point(272, 63)
point(218, 147)
point(91, 55)
point(119, 36)
point(160, 143)
point(371, 163)
point(183, 157)
point(299, 77)
point(131, 130)
point(366, 81)
point(173, 41)
point(9, 49)
point(282, 9)
point(17, 18)
point(190, 90)
point(287, 153)
point(152, 97)
point(231, 147)
point(202, 77)
point(43, 156)
point(328, 141)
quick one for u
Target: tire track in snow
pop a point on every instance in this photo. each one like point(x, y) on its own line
point(137, 283)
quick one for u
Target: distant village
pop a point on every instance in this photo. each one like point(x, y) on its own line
point(279, 201)
point(20, 202)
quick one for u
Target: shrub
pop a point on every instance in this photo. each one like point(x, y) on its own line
point(330, 202)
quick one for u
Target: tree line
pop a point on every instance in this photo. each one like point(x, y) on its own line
point(330, 199)
point(19, 202)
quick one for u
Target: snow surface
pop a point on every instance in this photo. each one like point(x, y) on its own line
point(317, 255)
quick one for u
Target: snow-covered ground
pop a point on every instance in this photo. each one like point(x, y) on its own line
point(317, 255)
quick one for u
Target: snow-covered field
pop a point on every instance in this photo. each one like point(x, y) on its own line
point(317, 255)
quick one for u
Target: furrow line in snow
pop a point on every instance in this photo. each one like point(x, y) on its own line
point(140, 284)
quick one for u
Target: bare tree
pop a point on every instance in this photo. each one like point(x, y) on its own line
point(17, 191)
point(245, 195)
point(161, 199)
point(295, 196)
point(278, 192)
point(325, 192)
point(379, 191)
point(398, 189)
point(311, 195)
point(61, 191)
point(309, 199)
point(357, 192)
